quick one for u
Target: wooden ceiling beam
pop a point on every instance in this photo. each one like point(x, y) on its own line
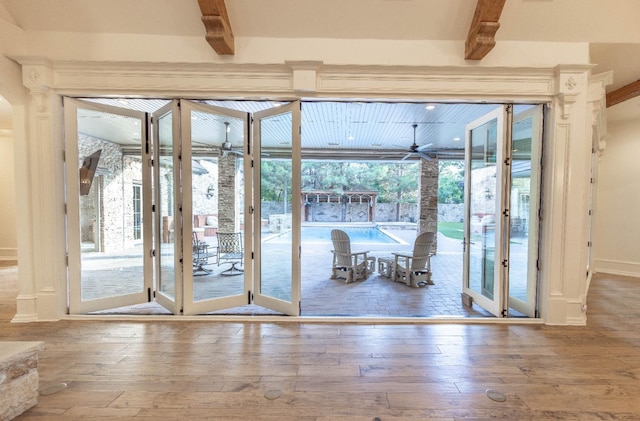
point(216, 21)
point(629, 91)
point(485, 24)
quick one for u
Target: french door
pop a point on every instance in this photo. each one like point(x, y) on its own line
point(149, 198)
point(502, 185)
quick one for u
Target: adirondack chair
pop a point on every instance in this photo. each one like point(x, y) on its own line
point(348, 265)
point(414, 269)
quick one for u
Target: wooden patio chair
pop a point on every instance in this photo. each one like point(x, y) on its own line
point(414, 269)
point(348, 265)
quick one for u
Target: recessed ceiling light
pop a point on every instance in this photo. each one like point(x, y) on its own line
point(123, 101)
point(456, 139)
point(430, 107)
point(349, 137)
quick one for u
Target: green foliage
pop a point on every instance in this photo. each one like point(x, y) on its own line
point(394, 182)
point(276, 180)
point(450, 182)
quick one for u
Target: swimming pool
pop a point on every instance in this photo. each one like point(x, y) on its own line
point(322, 234)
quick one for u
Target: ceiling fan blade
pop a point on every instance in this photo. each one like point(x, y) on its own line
point(425, 156)
point(406, 156)
point(423, 147)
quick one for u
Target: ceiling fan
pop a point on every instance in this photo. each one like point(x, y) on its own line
point(416, 149)
point(226, 147)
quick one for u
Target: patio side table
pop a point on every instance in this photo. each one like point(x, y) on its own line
point(385, 266)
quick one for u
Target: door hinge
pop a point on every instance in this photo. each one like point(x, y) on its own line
point(252, 256)
point(249, 297)
point(65, 208)
point(153, 208)
point(148, 295)
point(64, 156)
point(251, 210)
point(150, 162)
point(504, 313)
point(590, 212)
point(505, 212)
point(152, 253)
point(66, 259)
point(507, 161)
point(588, 243)
point(505, 263)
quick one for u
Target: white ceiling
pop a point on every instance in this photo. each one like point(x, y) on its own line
point(610, 26)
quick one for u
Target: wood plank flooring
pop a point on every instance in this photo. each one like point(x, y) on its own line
point(208, 370)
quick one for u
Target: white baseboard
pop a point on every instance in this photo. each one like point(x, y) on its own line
point(618, 267)
point(8, 253)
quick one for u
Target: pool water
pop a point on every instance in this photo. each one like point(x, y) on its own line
point(322, 234)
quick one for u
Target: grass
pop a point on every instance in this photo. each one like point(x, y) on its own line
point(453, 230)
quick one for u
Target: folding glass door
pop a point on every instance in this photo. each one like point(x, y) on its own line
point(175, 215)
point(108, 192)
point(277, 152)
point(218, 222)
point(502, 188)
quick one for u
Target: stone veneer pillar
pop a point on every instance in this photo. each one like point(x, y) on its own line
point(19, 380)
point(228, 220)
point(428, 218)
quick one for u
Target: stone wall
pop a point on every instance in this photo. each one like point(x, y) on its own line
point(203, 202)
point(429, 171)
point(229, 205)
point(106, 213)
point(451, 212)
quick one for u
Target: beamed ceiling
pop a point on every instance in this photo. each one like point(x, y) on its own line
point(609, 27)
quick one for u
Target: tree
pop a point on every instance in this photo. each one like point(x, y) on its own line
point(451, 182)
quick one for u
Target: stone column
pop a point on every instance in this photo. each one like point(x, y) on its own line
point(428, 218)
point(228, 202)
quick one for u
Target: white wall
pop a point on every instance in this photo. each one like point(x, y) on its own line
point(617, 235)
point(8, 242)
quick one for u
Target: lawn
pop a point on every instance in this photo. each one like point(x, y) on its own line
point(453, 230)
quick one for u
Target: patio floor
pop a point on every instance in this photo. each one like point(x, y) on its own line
point(377, 296)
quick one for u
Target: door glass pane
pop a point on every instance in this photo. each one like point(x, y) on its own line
point(217, 196)
point(109, 152)
point(276, 203)
point(521, 190)
point(166, 277)
point(482, 208)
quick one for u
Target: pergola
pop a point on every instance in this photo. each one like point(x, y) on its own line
point(316, 197)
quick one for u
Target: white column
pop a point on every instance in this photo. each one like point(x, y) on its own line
point(39, 185)
point(565, 203)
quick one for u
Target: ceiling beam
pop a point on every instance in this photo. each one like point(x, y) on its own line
point(485, 24)
point(629, 91)
point(216, 22)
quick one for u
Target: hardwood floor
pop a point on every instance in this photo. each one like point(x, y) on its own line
point(208, 370)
